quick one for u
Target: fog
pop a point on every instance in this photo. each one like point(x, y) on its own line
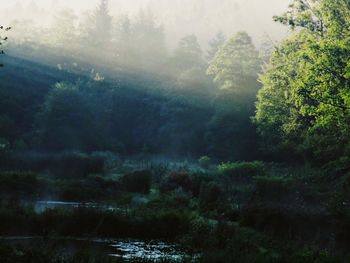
point(204, 18)
point(175, 37)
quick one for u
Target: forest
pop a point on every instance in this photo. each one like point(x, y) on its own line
point(123, 141)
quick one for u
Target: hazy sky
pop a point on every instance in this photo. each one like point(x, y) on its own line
point(179, 17)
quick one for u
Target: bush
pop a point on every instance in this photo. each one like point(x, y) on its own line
point(209, 195)
point(176, 180)
point(204, 162)
point(197, 180)
point(137, 182)
point(242, 170)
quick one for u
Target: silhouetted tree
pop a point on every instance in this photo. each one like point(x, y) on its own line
point(102, 25)
point(149, 40)
point(2, 40)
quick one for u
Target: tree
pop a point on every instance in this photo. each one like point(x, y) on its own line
point(102, 25)
point(318, 16)
point(234, 69)
point(236, 63)
point(3, 40)
point(266, 48)
point(148, 41)
point(75, 117)
point(304, 104)
point(64, 29)
point(215, 44)
point(276, 115)
point(302, 13)
point(123, 39)
point(188, 54)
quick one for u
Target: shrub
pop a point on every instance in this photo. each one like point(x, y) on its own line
point(197, 180)
point(204, 162)
point(242, 170)
point(176, 180)
point(209, 195)
point(137, 182)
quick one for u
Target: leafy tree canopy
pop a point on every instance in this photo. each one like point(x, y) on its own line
point(305, 101)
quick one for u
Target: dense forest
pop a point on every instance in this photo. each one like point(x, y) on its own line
point(116, 146)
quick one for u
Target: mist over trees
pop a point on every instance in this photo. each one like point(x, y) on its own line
point(217, 86)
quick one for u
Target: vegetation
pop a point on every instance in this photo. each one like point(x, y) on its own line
point(3, 39)
point(237, 155)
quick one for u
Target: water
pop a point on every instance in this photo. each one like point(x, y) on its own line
point(153, 250)
point(125, 249)
point(42, 206)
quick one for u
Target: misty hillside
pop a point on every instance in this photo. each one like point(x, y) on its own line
point(138, 115)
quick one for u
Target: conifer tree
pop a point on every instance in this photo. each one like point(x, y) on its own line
point(102, 24)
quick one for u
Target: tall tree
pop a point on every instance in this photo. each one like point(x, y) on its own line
point(122, 38)
point(236, 63)
point(304, 14)
point(64, 29)
point(305, 101)
point(215, 44)
point(149, 41)
point(266, 48)
point(235, 69)
point(101, 31)
point(188, 54)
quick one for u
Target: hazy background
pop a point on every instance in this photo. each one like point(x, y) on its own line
point(204, 18)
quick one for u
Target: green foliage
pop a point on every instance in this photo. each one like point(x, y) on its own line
point(304, 103)
point(209, 196)
point(234, 69)
point(71, 118)
point(304, 14)
point(189, 54)
point(176, 180)
point(235, 63)
point(242, 170)
point(204, 162)
point(215, 44)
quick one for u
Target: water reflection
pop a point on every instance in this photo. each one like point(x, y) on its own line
point(125, 249)
point(154, 250)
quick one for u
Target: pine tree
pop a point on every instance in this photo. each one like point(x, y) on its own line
point(103, 24)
